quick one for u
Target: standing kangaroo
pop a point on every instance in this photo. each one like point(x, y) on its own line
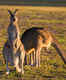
point(14, 47)
point(34, 39)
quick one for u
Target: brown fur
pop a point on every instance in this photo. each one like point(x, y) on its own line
point(37, 38)
point(15, 48)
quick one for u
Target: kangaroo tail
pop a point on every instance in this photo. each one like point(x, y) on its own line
point(56, 45)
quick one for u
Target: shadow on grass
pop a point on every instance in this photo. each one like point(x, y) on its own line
point(34, 3)
point(2, 72)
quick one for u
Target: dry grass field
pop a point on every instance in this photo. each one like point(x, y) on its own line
point(54, 18)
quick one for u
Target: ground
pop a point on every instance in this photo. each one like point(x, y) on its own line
point(54, 18)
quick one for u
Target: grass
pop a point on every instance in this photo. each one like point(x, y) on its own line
point(54, 18)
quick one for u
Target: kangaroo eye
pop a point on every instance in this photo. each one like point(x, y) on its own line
point(14, 19)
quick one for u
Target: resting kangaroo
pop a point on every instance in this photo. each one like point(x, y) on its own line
point(14, 47)
point(34, 39)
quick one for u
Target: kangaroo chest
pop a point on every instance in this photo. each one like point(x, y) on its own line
point(12, 32)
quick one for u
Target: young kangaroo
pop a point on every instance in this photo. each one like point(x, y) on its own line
point(14, 47)
point(34, 39)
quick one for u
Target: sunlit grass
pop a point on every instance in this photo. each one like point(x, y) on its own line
point(52, 66)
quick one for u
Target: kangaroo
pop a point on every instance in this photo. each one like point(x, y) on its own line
point(13, 49)
point(34, 39)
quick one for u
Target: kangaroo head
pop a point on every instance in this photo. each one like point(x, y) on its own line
point(13, 17)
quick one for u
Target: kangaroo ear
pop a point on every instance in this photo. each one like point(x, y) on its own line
point(9, 12)
point(15, 11)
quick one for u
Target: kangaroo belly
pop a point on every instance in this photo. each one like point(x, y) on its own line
point(30, 51)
